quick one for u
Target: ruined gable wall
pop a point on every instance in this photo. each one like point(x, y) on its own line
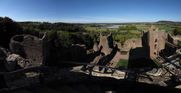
point(106, 42)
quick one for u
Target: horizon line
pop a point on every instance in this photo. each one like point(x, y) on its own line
point(91, 22)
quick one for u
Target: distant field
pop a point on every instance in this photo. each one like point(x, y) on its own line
point(131, 30)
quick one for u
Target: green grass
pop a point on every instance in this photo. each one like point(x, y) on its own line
point(122, 64)
point(156, 62)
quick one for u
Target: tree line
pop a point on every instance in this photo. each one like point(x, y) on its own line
point(44, 26)
point(8, 28)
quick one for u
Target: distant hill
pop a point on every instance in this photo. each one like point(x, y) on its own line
point(168, 22)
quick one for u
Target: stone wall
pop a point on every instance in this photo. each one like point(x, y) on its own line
point(155, 41)
point(29, 47)
point(131, 44)
point(107, 43)
point(106, 53)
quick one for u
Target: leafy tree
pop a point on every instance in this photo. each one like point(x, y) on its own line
point(8, 28)
point(177, 31)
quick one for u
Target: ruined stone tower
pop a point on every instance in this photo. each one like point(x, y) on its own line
point(156, 41)
point(29, 47)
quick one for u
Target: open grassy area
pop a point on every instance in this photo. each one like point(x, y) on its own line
point(122, 64)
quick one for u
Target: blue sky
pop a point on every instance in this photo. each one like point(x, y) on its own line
point(88, 11)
